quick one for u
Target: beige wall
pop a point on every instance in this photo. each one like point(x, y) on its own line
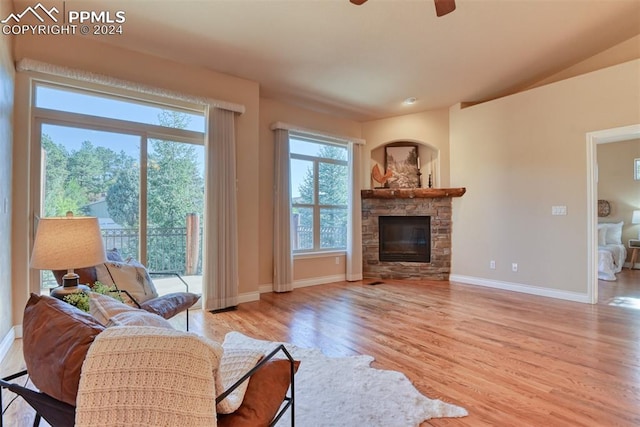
point(618, 54)
point(6, 148)
point(520, 155)
point(77, 52)
point(273, 111)
point(617, 185)
point(430, 128)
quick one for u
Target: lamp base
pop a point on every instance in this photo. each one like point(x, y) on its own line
point(69, 286)
point(62, 291)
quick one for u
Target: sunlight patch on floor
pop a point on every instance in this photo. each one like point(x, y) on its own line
point(628, 302)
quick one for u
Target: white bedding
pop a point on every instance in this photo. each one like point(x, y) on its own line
point(610, 261)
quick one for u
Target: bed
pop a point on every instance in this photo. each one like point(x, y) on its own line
point(611, 252)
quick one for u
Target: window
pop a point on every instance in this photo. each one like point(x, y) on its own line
point(115, 107)
point(319, 194)
point(138, 166)
point(636, 169)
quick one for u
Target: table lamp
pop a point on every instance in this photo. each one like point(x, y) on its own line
point(635, 219)
point(65, 243)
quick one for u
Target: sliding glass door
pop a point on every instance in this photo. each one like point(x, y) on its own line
point(144, 182)
point(174, 213)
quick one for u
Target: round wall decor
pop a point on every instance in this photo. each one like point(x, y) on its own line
point(604, 208)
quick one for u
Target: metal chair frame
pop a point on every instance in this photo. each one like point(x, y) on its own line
point(61, 414)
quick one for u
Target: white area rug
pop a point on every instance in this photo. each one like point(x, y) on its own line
point(347, 392)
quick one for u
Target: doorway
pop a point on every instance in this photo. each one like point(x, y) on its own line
point(593, 139)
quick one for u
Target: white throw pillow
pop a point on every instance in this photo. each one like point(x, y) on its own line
point(233, 365)
point(614, 233)
point(111, 312)
point(130, 276)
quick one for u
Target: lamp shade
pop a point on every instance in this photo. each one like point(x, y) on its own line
point(635, 217)
point(67, 243)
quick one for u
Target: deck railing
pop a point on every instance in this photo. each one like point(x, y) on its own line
point(166, 248)
point(330, 237)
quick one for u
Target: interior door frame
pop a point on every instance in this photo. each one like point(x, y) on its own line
point(605, 136)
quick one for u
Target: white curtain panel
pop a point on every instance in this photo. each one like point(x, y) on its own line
point(282, 255)
point(220, 287)
point(354, 234)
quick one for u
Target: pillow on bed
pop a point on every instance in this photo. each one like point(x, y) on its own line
point(602, 234)
point(614, 233)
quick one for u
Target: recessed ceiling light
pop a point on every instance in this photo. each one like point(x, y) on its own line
point(410, 101)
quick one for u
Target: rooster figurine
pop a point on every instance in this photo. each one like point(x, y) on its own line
point(378, 177)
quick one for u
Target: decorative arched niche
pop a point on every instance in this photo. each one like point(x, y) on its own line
point(428, 159)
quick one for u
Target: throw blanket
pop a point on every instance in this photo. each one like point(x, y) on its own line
point(142, 376)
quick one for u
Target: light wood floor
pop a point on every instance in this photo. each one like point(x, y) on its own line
point(626, 287)
point(510, 359)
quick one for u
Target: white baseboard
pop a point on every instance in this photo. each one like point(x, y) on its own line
point(268, 287)
point(318, 281)
point(517, 287)
point(263, 289)
point(7, 342)
point(248, 297)
point(255, 296)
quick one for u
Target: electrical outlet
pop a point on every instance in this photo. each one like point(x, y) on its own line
point(492, 264)
point(514, 266)
point(558, 210)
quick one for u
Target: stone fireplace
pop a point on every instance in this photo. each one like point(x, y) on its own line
point(406, 233)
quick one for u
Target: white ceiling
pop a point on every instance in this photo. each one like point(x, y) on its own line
point(362, 61)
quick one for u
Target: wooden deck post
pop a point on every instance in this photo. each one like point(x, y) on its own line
point(193, 244)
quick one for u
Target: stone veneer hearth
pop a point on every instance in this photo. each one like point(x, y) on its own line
point(433, 202)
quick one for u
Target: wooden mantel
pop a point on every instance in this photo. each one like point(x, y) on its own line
point(412, 193)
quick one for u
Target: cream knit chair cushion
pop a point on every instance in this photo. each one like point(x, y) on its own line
point(148, 376)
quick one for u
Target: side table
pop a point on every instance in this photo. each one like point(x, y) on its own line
point(634, 247)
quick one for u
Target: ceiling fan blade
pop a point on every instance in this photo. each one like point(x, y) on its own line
point(358, 2)
point(445, 6)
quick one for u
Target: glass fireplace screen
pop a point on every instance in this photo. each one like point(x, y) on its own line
point(405, 238)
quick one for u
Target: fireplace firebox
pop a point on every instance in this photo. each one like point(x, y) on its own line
point(405, 238)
